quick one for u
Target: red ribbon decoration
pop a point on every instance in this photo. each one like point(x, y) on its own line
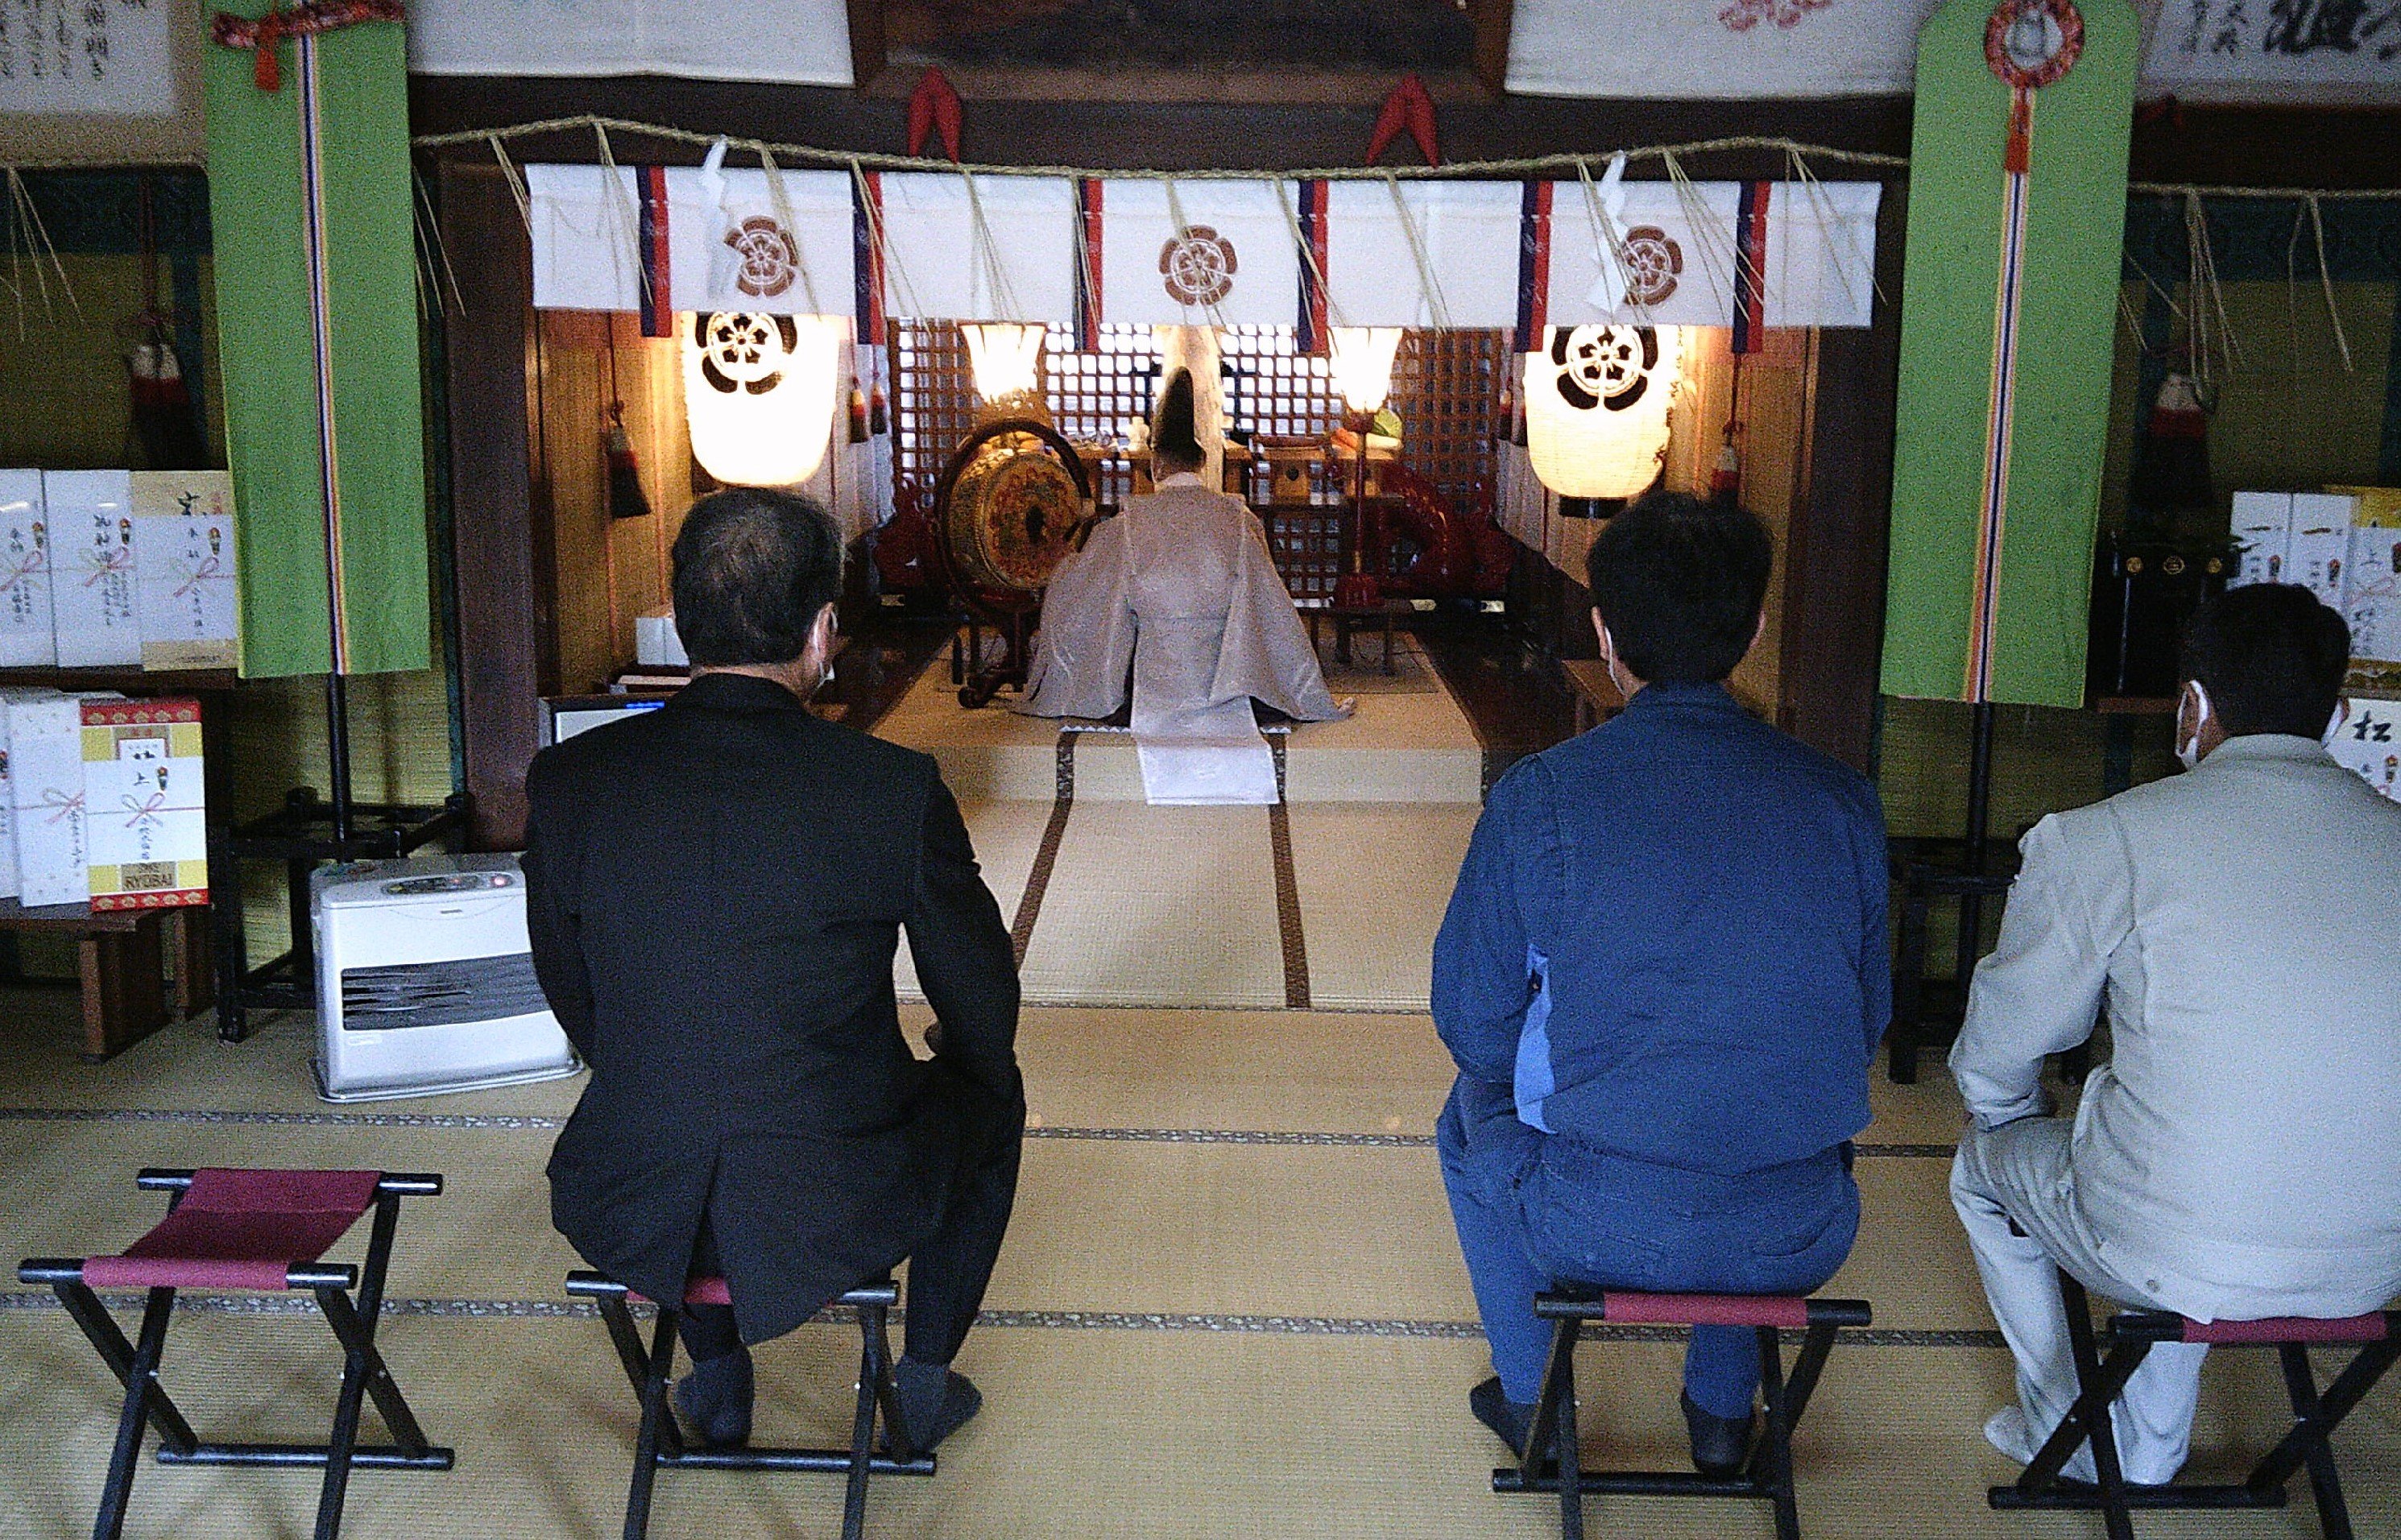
point(934, 105)
point(53, 797)
point(267, 31)
point(22, 571)
point(1407, 107)
point(209, 569)
point(146, 810)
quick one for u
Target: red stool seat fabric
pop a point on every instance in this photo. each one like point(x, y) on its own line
point(240, 1229)
point(2372, 1327)
point(1786, 1313)
point(696, 1291)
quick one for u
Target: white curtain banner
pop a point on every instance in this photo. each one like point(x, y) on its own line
point(940, 267)
point(1441, 252)
point(736, 246)
point(1802, 254)
point(1231, 261)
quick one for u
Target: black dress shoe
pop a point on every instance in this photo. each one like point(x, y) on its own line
point(1510, 1421)
point(715, 1398)
point(936, 1401)
point(1721, 1445)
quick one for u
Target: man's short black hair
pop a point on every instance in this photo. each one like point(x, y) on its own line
point(1679, 582)
point(753, 569)
point(2271, 657)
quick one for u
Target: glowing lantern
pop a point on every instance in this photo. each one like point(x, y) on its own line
point(1362, 365)
point(759, 392)
point(1597, 408)
point(1006, 359)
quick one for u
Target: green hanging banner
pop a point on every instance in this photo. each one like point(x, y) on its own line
point(310, 201)
point(2017, 201)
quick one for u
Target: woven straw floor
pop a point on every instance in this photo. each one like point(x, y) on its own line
point(1230, 1305)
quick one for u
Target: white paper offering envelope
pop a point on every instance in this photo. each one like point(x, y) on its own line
point(46, 786)
point(184, 569)
point(91, 557)
point(2371, 592)
point(2369, 743)
point(25, 638)
point(2263, 531)
point(2320, 544)
point(144, 803)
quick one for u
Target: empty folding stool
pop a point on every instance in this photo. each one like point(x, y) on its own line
point(252, 1230)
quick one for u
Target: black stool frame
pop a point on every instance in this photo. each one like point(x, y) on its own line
point(2316, 1414)
point(1769, 1474)
point(659, 1442)
point(364, 1372)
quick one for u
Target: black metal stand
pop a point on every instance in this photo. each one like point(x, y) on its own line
point(2316, 1414)
point(659, 1442)
point(365, 1373)
point(304, 833)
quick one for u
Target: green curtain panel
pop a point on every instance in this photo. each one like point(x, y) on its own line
point(1994, 510)
point(269, 314)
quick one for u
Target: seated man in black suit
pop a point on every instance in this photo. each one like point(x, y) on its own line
point(717, 889)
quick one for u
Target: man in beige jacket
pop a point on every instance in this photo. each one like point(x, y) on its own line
point(2239, 1154)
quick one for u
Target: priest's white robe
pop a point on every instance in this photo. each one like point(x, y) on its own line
point(1180, 586)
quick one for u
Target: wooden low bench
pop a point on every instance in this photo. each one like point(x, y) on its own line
point(120, 960)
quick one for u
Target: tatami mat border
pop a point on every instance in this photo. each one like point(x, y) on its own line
point(1038, 1320)
point(508, 1122)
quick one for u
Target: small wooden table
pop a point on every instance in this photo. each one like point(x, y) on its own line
point(121, 959)
point(1597, 696)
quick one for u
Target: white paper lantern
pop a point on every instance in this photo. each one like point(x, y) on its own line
point(759, 392)
point(1362, 365)
point(1597, 404)
point(1006, 359)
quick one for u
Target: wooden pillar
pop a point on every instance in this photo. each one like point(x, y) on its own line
point(1842, 526)
point(507, 635)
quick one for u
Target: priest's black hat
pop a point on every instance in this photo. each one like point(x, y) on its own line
point(1172, 438)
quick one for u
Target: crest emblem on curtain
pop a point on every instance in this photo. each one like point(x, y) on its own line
point(1197, 266)
point(767, 258)
point(1651, 260)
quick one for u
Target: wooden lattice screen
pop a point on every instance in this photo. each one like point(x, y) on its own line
point(1446, 387)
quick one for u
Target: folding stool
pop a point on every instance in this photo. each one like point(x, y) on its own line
point(660, 1443)
point(262, 1230)
point(2316, 1414)
point(1769, 1473)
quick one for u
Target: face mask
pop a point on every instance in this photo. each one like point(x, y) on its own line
point(2334, 724)
point(2189, 751)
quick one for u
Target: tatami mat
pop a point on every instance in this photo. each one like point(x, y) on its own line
point(1104, 1224)
point(1108, 1433)
point(1162, 906)
point(1401, 745)
point(1373, 880)
point(1103, 1067)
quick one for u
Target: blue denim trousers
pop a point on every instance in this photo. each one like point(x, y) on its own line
point(1535, 1210)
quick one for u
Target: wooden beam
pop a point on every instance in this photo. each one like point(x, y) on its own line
point(1137, 135)
point(866, 42)
point(507, 643)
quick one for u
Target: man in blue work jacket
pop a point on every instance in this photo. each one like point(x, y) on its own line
point(1663, 976)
